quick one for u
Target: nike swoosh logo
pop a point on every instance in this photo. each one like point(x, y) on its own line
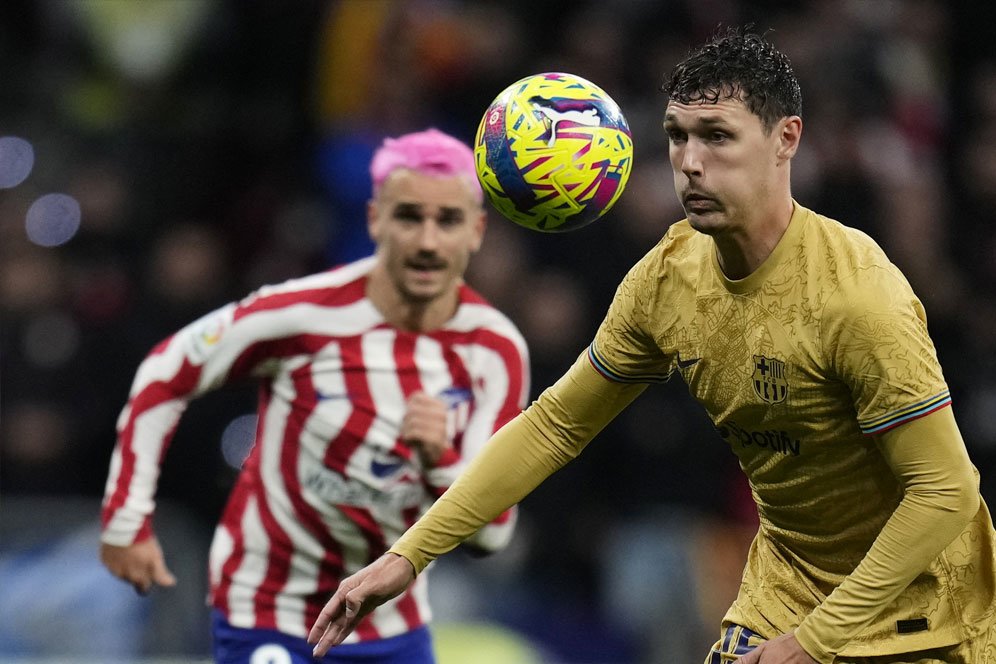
point(684, 364)
point(383, 469)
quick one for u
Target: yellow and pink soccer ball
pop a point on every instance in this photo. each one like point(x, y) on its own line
point(553, 152)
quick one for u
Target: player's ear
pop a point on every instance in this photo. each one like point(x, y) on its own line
point(480, 225)
point(789, 133)
point(372, 226)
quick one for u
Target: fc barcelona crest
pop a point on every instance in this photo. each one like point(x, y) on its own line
point(769, 379)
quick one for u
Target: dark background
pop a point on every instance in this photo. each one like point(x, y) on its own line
point(213, 147)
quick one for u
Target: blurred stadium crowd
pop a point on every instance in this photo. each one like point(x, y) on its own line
point(160, 158)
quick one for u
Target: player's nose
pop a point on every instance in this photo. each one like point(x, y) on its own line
point(428, 237)
point(691, 158)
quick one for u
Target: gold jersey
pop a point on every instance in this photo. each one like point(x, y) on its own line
point(800, 365)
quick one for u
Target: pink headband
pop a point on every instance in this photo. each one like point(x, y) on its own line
point(430, 152)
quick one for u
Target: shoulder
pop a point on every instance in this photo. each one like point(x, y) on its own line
point(477, 313)
point(675, 259)
point(679, 243)
point(858, 276)
point(850, 260)
point(477, 316)
point(844, 248)
point(338, 286)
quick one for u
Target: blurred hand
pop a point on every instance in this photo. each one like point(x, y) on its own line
point(783, 649)
point(357, 595)
point(141, 564)
point(424, 427)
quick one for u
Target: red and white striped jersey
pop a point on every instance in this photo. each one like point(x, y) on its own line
point(328, 485)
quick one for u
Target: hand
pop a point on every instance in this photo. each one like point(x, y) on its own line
point(357, 595)
point(783, 649)
point(423, 427)
point(141, 564)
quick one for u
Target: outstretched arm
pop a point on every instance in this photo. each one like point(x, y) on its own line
point(518, 458)
point(176, 371)
point(424, 429)
point(200, 357)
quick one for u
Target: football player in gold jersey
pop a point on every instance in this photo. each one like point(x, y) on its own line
point(810, 353)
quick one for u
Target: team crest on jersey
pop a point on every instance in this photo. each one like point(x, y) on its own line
point(769, 379)
point(458, 403)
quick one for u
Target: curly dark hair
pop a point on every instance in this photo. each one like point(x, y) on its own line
point(737, 63)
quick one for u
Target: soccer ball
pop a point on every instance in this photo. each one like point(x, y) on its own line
point(553, 152)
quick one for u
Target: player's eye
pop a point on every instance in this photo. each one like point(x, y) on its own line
point(718, 136)
point(407, 212)
point(674, 135)
point(450, 216)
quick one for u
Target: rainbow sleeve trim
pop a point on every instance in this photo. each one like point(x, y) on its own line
point(911, 412)
point(602, 367)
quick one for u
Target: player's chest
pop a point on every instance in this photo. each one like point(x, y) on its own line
point(751, 359)
point(383, 363)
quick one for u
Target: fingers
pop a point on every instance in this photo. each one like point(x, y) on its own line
point(325, 618)
point(162, 576)
point(140, 564)
point(784, 648)
point(753, 657)
point(424, 426)
point(336, 621)
point(140, 578)
point(350, 611)
point(333, 636)
point(141, 585)
point(357, 595)
point(155, 573)
point(424, 417)
point(133, 575)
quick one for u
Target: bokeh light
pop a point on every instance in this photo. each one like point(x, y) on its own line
point(17, 158)
point(237, 439)
point(53, 220)
point(51, 339)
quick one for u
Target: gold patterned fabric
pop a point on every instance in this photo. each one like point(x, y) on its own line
point(805, 367)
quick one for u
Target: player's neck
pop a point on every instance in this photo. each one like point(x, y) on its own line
point(423, 317)
point(411, 315)
point(743, 250)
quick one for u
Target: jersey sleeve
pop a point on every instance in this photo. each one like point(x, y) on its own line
point(876, 337)
point(542, 439)
point(624, 350)
point(876, 340)
point(940, 496)
point(219, 348)
point(499, 370)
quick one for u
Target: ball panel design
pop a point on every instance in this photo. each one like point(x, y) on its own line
point(553, 152)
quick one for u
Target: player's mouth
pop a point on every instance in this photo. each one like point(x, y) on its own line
point(425, 269)
point(694, 202)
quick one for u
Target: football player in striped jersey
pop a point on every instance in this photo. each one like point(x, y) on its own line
point(378, 381)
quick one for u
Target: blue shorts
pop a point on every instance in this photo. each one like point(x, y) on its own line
point(735, 642)
point(236, 645)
